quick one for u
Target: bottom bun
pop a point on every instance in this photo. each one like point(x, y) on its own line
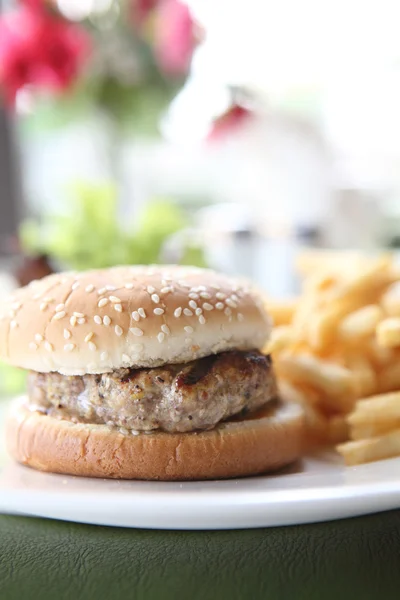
point(266, 441)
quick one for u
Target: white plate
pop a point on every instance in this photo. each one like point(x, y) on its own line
point(318, 489)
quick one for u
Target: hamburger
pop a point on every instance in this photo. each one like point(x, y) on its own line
point(145, 373)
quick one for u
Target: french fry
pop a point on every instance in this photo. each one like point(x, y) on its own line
point(376, 409)
point(365, 378)
point(281, 312)
point(335, 352)
point(388, 332)
point(378, 355)
point(338, 429)
point(374, 278)
point(360, 323)
point(389, 377)
point(317, 425)
point(370, 430)
point(333, 381)
point(390, 300)
point(308, 262)
point(297, 394)
point(369, 450)
point(281, 338)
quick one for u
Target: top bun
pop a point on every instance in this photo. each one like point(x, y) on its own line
point(101, 320)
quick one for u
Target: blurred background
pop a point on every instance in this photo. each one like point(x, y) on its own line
point(224, 133)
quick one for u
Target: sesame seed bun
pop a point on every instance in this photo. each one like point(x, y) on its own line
point(266, 441)
point(101, 320)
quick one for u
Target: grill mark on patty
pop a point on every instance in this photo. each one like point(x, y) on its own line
point(197, 371)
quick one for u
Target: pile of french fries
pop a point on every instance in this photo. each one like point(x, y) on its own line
point(336, 351)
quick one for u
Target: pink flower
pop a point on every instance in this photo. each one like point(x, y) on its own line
point(229, 122)
point(40, 49)
point(174, 37)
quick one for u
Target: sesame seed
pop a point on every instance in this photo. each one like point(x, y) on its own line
point(36, 296)
point(215, 286)
point(228, 312)
point(102, 302)
point(92, 346)
point(134, 432)
point(48, 299)
point(118, 307)
point(136, 331)
point(101, 291)
point(33, 346)
point(60, 307)
point(75, 285)
point(13, 324)
point(97, 319)
point(202, 320)
point(234, 298)
point(48, 347)
point(126, 358)
point(194, 296)
point(158, 311)
point(115, 299)
point(135, 315)
point(187, 312)
point(43, 306)
point(188, 329)
point(12, 313)
point(202, 288)
point(106, 320)
point(205, 295)
point(142, 313)
point(137, 347)
point(118, 330)
point(208, 306)
point(73, 321)
point(160, 337)
point(78, 315)
point(69, 347)
point(59, 315)
point(16, 305)
point(165, 329)
point(166, 289)
point(129, 286)
point(240, 317)
point(220, 296)
point(38, 337)
point(104, 355)
point(81, 321)
point(89, 336)
point(193, 304)
point(110, 288)
point(151, 289)
point(231, 303)
point(198, 311)
point(67, 334)
point(89, 288)
point(178, 312)
point(155, 298)
point(219, 306)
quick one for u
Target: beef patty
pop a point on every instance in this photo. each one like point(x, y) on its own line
point(186, 397)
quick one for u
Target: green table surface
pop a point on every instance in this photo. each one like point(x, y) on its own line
point(48, 560)
point(52, 560)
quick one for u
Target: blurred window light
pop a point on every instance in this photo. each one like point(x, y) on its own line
point(77, 10)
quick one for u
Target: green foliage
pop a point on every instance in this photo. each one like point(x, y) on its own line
point(12, 380)
point(90, 234)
